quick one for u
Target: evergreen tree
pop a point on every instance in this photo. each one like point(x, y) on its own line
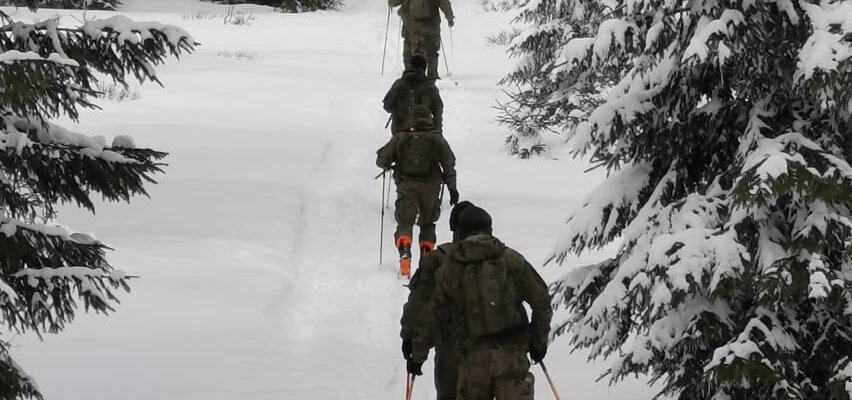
point(72, 4)
point(725, 128)
point(293, 6)
point(47, 271)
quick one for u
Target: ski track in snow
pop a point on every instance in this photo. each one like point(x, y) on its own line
point(257, 250)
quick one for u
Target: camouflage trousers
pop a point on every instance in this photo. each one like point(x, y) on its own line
point(501, 373)
point(423, 39)
point(446, 373)
point(417, 201)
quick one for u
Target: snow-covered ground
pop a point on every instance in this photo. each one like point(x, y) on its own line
point(258, 249)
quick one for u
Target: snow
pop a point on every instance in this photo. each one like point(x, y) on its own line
point(620, 189)
point(93, 146)
point(609, 30)
point(257, 249)
point(12, 56)
point(825, 49)
point(125, 141)
point(720, 27)
point(575, 51)
point(134, 32)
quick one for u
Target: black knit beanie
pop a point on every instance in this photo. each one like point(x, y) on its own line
point(454, 214)
point(473, 220)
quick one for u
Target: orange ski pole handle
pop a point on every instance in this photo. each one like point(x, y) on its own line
point(549, 380)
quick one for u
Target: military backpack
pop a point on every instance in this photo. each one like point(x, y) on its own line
point(419, 154)
point(490, 298)
point(421, 9)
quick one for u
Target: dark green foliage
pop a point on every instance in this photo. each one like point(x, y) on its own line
point(293, 6)
point(70, 4)
point(46, 271)
point(725, 129)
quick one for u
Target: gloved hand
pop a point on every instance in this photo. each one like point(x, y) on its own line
point(407, 347)
point(451, 21)
point(414, 367)
point(454, 197)
point(537, 352)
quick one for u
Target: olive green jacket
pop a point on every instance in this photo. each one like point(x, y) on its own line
point(413, 88)
point(446, 299)
point(443, 5)
point(389, 155)
point(421, 286)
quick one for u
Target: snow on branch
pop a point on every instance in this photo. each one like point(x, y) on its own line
point(594, 222)
point(125, 30)
point(11, 56)
point(23, 131)
point(722, 27)
point(39, 291)
point(826, 48)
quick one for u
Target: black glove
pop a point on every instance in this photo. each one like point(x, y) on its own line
point(454, 197)
point(537, 352)
point(407, 347)
point(451, 21)
point(414, 367)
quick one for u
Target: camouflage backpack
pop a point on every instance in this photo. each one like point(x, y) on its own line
point(421, 9)
point(418, 156)
point(490, 298)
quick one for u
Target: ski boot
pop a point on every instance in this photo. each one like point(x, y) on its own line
point(425, 248)
point(403, 244)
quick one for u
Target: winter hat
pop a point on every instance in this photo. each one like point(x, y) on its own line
point(417, 62)
point(454, 214)
point(422, 116)
point(473, 220)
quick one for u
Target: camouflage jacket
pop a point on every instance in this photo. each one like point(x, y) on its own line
point(443, 5)
point(421, 286)
point(411, 89)
point(388, 156)
point(446, 299)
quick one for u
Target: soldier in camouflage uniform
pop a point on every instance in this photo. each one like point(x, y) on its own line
point(421, 29)
point(412, 89)
point(496, 334)
point(422, 160)
point(421, 286)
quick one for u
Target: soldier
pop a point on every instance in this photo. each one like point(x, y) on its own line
point(421, 29)
point(411, 89)
point(422, 160)
point(484, 283)
point(421, 286)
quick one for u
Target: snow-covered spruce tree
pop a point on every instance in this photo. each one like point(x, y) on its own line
point(46, 71)
point(725, 128)
point(293, 6)
point(546, 98)
point(72, 4)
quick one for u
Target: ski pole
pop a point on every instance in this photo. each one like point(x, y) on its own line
point(385, 49)
point(549, 380)
point(444, 53)
point(452, 48)
point(409, 386)
point(382, 227)
point(398, 39)
point(389, 121)
point(387, 205)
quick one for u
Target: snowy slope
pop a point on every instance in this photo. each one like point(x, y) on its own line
point(257, 251)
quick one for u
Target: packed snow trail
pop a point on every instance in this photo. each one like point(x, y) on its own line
point(257, 251)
